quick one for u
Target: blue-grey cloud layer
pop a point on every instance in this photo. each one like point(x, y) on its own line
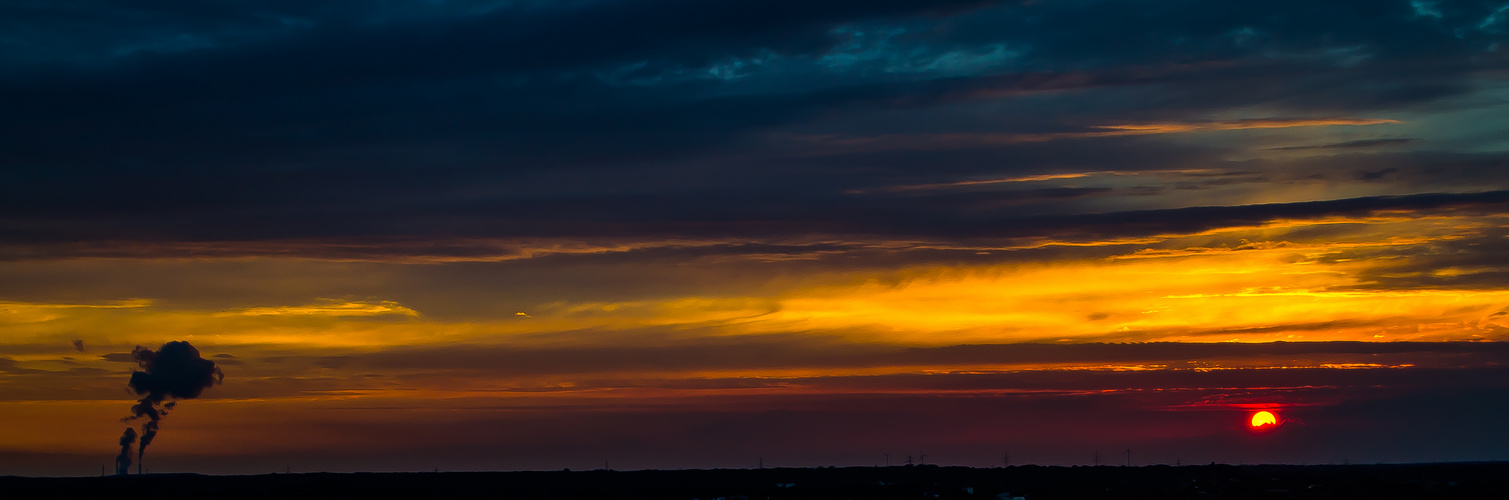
point(236, 121)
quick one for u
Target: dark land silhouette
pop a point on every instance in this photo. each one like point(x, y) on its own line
point(1401, 481)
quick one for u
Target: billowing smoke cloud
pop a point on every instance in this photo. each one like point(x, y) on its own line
point(123, 460)
point(175, 371)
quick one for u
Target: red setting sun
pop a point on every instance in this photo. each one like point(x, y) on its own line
point(1264, 420)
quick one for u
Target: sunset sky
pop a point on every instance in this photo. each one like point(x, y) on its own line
point(503, 235)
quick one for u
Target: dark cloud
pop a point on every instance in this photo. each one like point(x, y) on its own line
point(1469, 261)
point(968, 217)
point(10, 366)
point(1359, 144)
point(118, 357)
point(1376, 174)
point(345, 85)
point(284, 121)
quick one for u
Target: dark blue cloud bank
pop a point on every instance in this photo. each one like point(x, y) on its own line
point(373, 122)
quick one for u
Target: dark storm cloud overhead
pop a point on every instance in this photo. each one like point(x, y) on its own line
point(532, 123)
point(418, 76)
point(409, 95)
point(219, 162)
point(1101, 32)
point(460, 39)
point(351, 124)
point(1057, 33)
point(479, 124)
point(101, 33)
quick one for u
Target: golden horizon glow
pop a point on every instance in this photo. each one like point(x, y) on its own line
point(1197, 287)
point(332, 336)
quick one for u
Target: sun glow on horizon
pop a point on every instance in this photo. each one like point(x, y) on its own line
point(1264, 420)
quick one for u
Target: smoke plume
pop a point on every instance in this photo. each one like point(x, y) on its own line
point(175, 371)
point(123, 460)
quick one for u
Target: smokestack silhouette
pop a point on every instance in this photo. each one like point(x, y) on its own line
point(175, 371)
point(123, 461)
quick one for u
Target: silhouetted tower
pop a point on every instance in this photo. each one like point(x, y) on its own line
point(1097, 458)
point(909, 460)
point(1129, 457)
point(888, 460)
point(921, 459)
point(1005, 460)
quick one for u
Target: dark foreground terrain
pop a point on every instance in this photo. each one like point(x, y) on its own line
point(1415, 481)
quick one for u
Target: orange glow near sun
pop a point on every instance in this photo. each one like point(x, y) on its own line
point(1263, 419)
